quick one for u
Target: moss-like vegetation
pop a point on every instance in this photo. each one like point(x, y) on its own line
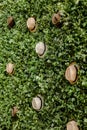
point(45, 76)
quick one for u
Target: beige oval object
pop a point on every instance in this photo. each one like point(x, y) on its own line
point(40, 49)
point(72, 125)
point(14, 111)
point(10, 22)
point(10, 68)
point(71, 73)
point(56, 18)
point(31, 24)
point(37, 103)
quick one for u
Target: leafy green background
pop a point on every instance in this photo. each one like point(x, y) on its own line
point(62, 101)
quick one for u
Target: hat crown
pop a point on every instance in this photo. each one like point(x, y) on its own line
point(9, 68)
point(72, 125)
point(31, 23)
point(36, 103)
point(56, 18)
point(40, 47)
point(9, 20)
point(71, 73)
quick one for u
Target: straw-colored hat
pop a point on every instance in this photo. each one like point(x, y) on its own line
point(41, 49)
point(71, 73)
point(56, 18)
point(37, 102)
point(31, 24)
point(10, 22)
point(72, 125)
point(10, 68)
point(14, 111)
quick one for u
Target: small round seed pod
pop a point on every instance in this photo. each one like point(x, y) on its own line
point(14, 111)
point(72, 125)
point(10, 22)
point(40, 49)
point(71, 73)
point(37, 102)
point(10, 68)
point(31, 24)
point(56, 18)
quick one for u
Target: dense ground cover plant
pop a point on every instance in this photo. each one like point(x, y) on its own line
point(33, 75)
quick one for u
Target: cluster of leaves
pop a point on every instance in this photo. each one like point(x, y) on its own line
point(62, 101)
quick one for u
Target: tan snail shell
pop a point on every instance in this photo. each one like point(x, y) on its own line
point(10, 68)
point(40, 49)
point(37, 102)
point(56, 18)
point(72, 125)
point(71, 73)
point(10, 22)
point(14, 111)
point(31, 24)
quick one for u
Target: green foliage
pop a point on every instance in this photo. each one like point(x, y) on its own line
point(62, 101)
